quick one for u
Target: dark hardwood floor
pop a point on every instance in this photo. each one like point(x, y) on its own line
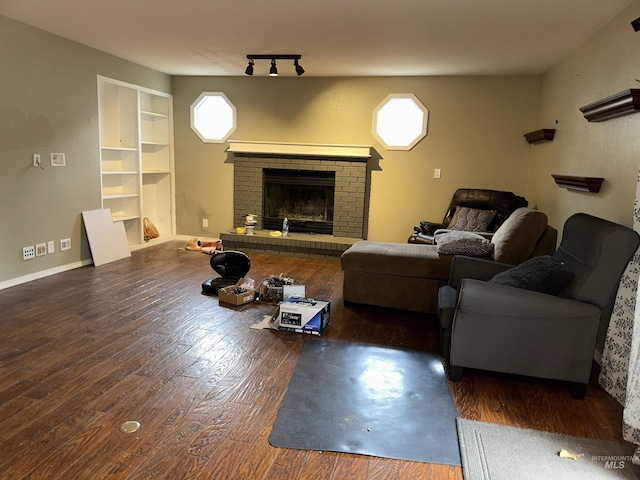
point(86, 350)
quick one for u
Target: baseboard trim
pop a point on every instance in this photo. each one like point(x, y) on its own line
point(152, 242)
point(70, 266)
point(44, 273)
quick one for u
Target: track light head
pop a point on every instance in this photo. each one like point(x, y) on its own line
point(273, 72)
point(299, 69)
point(249, 70)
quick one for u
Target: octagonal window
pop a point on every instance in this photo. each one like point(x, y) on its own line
point(400, 121)
point(213, 117)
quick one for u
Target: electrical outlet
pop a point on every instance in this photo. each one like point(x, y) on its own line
point(28, 252)
point(437, 173)
point(65, 244)
point(205, 223)
point(51, 247)
point(41, 249)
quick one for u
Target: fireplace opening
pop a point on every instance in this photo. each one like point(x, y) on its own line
point(305, 197)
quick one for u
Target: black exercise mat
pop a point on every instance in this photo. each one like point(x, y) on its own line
point(369, 400)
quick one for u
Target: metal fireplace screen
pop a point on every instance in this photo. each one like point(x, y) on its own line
point(305, 197)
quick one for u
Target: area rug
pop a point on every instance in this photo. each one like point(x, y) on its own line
point(369, 400)
point(498, 452)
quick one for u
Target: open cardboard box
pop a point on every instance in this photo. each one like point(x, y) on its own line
point(304, 315)
point(231, 296)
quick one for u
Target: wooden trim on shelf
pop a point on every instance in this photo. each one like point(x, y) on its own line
point(584, 184)
point(539, 136)
point(623, 103)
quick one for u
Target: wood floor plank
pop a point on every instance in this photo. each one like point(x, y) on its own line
point(443, 472)
point(383, 469)
point(217, 428)
point(226, 460)
point(351, 466)
point(319, 465)
point(288, 464)
point(85, 350)
point(258, 458)
point(112, 465)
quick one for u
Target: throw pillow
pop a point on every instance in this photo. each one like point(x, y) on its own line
point(471, 219)
point(543, 274)
point(463, 243)
point(516, 239)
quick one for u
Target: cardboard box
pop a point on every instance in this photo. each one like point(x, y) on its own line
point(304, 315)
point(231, 295)
point(289, 291)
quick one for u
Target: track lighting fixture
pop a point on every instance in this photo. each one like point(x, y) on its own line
point(273, 71)
point(249, 70)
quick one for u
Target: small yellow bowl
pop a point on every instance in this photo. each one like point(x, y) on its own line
point(241, 230)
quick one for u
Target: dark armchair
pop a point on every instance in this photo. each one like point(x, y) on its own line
point(492, 326)
point(503, 203)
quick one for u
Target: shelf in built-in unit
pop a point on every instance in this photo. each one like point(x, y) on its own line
point(122, 149)
point(119, 195)
point(153, 114)
point(157, 144)
point(119, 172)
point(156, 172)
point(123, 218)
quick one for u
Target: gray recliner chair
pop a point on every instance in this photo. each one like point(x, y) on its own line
point(495, 327)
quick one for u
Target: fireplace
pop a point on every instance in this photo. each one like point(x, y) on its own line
point(333, 179)
point(305, 197)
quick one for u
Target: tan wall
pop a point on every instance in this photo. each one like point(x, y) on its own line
point(48, 104)
point(48, 99)
point(476, 129)
point(604, 65)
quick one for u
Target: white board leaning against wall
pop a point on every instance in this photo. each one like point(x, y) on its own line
point(107, 239)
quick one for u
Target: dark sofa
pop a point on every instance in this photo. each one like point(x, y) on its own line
point(504, 203)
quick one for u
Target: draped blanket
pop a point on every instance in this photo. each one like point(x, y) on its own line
point(620, 369)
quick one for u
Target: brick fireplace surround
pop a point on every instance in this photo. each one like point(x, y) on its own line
point(350, 164)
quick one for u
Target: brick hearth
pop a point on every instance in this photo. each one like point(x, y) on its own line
point(295, 245)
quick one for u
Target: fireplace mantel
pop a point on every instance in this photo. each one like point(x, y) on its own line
point(353, 152)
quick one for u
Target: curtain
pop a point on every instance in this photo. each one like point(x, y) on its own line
point(620, 365)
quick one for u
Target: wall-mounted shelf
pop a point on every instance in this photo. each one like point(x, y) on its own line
point(540, 136)
point(584, 184)
point(623, 103)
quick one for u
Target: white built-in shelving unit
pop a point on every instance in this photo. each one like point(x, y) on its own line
point(136, 157)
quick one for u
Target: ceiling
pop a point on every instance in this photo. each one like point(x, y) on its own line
point(335, 37)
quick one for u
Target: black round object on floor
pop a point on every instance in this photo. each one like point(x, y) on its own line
point(231, 266)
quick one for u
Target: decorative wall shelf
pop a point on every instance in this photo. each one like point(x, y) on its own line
point(623, 103)
point(540, 136)
point(584, 184)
